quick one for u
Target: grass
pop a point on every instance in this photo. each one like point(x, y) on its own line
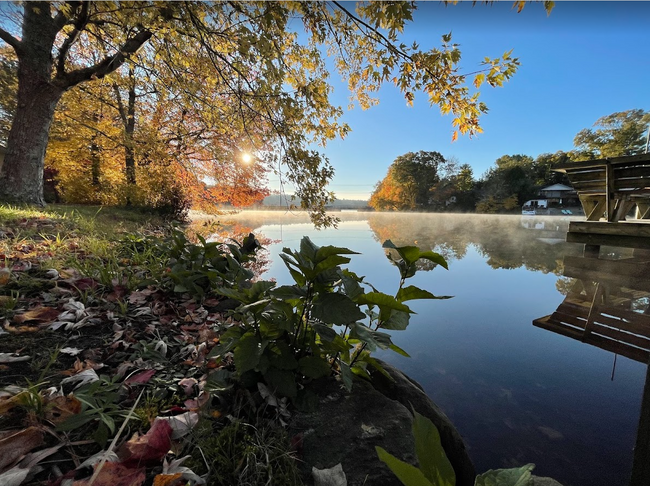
point(107, 269)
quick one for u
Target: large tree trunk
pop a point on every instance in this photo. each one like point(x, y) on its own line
point(21, 175)
point(21, 179)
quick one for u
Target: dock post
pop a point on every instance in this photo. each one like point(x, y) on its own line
point(641, 464)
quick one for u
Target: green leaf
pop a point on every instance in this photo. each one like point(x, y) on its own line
point(308, 248)
point(314, 367)
point(335, 308)
point(519, 476)
point(260, 288)
point(326, 251)
point(248, 352)
point(281, 382)
point(412, 293)
point(435, 258)
point(398, 350)
point(373, 338)
point(282, 357)
point(398, 321)
point(330, 262)
point(289, 292)
point(346, 375)
point(409, 475)
point(383, 300)
point(430, 453)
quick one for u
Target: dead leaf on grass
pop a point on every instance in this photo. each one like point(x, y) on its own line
point(38, 314)
point(116, 474)
point(140, 378)
point(14, 445)
point(59, 409)
point(150, 447)
point(169, 480)
point(12, 358)
point(5, 275)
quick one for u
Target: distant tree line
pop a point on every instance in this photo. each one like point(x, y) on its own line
point(427, 181)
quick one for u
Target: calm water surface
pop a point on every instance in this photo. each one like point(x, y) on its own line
point(516, 393)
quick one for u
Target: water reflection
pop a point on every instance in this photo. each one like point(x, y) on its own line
point(517, 393)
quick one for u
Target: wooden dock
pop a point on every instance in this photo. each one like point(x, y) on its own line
point(609, 304)
point(607, 307)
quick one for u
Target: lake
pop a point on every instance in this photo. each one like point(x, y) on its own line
point(516, 393)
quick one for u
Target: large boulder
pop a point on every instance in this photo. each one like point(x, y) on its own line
point(410, 393)
point(346, 427)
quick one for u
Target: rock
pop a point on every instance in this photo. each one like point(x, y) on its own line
point(410, 394)
point(346, 427)
point(333, 476)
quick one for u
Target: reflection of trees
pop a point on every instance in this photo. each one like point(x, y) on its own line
point(502, 240)
point(233, 231)
point(437, 232)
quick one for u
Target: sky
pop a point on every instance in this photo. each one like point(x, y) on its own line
point(583, 61)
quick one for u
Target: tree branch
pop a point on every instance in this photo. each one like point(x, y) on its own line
point(79, 25)
point(11, 40)
point(107, 65)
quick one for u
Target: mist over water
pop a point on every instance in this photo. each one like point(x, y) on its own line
point(516, 393)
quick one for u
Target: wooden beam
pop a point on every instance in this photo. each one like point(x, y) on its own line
point(634, 159)
point(609, 240)
point(641, 464)
point(627, 228)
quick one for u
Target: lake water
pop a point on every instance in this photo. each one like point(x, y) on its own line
point(516, 393)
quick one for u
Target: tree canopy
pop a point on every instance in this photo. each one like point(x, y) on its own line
point(222, 78)
point(618, 134)
point(408, 183)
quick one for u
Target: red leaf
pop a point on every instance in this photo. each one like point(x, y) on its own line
point(140, 378)
point(150, 447)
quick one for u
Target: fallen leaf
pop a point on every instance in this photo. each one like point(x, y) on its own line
point(150, 447)
point(140, 378)
point(168, 480)
point(116, 474)
point(39, 314)
point(182, 424)
point(189, 386)
point(10, 358)
point(20, 330)
point(86, 376)
point(5, 275)
point(71, 351)
point(14, 445)
point(59, 409)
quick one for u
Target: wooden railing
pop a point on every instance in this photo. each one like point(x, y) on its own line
point(610, 188)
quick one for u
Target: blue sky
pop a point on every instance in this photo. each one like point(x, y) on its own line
point(584, 61)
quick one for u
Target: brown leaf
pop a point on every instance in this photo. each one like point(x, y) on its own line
point(116, 474)
point(169, 480)
point(150, 447)
point(39, 314)
point(14, 445)
point(59, 409)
